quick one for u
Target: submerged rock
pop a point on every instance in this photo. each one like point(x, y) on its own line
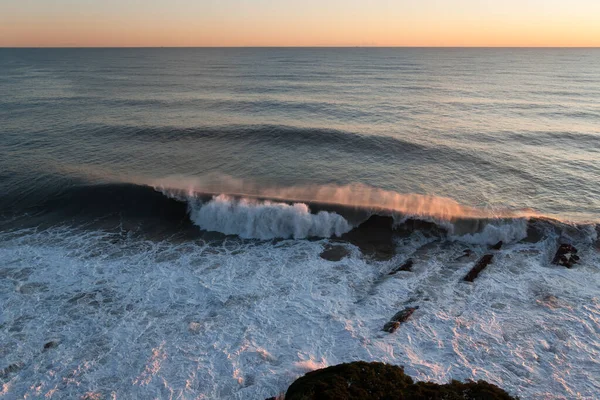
point(550, 301)
point(427, 228)
point(391, 326)
point(334, 252)
point(407, 266)
point(398, 319)
point(12, 368)
point(405, 314)
point(50, 345)
point(32, 288)
point(194, 327)
point(566, 255)
point(497, 246)
point(374, 237)
point(467, 253)
point(377, 381)
point(479, 266)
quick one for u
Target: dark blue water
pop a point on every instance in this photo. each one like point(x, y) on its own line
point(507, 128)
point(112, 243)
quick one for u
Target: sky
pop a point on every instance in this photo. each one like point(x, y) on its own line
point(124, 23)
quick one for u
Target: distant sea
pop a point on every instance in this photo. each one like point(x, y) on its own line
point(163, 213)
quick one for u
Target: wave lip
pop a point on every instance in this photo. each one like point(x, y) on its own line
point(256, 219)
point(352, 196)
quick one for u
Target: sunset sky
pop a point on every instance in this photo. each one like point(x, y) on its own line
point(33, 23)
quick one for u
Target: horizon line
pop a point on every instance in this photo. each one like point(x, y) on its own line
point(300, 47)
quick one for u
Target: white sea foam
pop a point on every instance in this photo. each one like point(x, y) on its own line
point(507, 231)
point(253, 219)
point(242, 320)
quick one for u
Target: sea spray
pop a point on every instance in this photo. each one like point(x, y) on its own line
point(254, 219)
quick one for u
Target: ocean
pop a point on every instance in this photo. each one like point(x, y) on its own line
point(164, 215)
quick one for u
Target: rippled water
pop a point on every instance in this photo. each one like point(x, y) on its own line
point(490, 128)
point(113, 248)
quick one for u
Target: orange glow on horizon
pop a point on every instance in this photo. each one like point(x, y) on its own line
point(289, 24)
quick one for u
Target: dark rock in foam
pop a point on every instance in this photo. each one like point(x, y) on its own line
point(497, 246)
point(538, 229)
point(50, 345)
point(12, 368)
point(334, 252)
point(566, 255)
point(377, 381)
point(479, 266)
point(391, 326)
point(407, 266)
point(398, 319)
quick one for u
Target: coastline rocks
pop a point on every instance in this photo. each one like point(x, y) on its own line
point(479, 266)
point(378, 381)
point(398, 319)
point(566, 255)
point(407, 266)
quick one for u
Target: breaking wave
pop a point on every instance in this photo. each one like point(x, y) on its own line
point(251, 211)
point(254, 219)
point(354, 196)
point(508, 231)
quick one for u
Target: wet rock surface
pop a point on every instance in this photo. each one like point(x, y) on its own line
point(399, 318)
point(497, 246)
point(566, 255)
point(479, 266)
point(12, 368)
point(50, 345)
point(334, 252)
point(407, 266)
point(378, 381)
point(391, 326)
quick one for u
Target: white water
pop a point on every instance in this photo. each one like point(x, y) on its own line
point(250, 218)
point(253, 219)
point(510, 231)
point(137, 319)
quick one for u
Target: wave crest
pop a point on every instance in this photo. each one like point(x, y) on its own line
point(353, 195)
point(254, 219)
point(507, 231)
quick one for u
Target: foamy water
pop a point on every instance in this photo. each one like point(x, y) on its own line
point(251, 219)
point(163, 212)
point(139, 319)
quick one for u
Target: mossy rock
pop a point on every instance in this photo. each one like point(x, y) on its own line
point(379, 381)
